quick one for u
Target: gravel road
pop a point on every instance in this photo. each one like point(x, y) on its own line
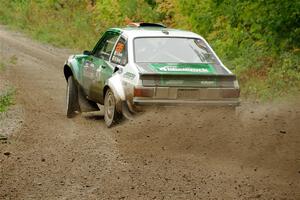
point(165, 153)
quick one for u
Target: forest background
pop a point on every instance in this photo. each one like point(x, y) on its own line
point(259, 40)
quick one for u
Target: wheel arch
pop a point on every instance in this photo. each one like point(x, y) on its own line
point(67, 71)
point(115, 85)
point(105, 90)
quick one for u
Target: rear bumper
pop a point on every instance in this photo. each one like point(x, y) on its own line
point(169, 102)
point(179, 96)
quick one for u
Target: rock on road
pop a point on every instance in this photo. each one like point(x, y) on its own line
point(166, 153)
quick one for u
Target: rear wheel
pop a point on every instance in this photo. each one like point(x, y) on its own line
point(111, 115)
point(71, 98)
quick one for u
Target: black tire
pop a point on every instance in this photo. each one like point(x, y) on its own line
point(111, 115)
point(71, 98)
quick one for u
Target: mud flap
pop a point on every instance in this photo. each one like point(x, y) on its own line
point(85, 104)
point(125, 111)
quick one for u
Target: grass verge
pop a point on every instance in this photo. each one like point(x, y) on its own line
point(6, 99)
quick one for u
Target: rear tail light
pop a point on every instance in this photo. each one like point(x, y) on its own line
point(143, 92)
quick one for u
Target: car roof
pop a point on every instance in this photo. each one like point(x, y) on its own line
point(133, 32)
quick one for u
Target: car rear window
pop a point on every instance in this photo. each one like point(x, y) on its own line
point(172, 50)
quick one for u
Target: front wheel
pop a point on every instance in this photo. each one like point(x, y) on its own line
point(111, 115)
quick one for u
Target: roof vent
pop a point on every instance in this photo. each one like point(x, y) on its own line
point(144, 24)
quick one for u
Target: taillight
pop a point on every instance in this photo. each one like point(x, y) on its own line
point(143, 92)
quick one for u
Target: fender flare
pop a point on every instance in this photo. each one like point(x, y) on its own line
point(116, 85)
point(71, 68)
point(67, 71)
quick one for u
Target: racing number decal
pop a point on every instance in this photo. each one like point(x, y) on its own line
point(120, 54)
point(120, 47)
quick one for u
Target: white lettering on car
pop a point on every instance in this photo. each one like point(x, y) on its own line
point(185, 69)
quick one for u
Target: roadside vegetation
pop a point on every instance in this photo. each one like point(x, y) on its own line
point(6, 99)
point(7, 93)
point(258, 40)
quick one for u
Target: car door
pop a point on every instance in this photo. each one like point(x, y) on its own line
point(97, 69)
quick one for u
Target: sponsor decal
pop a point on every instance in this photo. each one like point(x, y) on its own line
point(129, 75)
point(183, 69)
point(174, 82)
point(208, 83)
point(193, 68)
point(88, 69)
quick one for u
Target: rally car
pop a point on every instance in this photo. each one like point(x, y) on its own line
point(147, 64)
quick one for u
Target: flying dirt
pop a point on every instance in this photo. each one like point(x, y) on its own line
point(163, 153)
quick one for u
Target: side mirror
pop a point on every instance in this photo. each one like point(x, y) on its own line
point(86, 52)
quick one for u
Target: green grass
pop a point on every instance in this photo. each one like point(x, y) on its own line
point(6, 99)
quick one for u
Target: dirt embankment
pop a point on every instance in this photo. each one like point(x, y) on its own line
point(181, 153)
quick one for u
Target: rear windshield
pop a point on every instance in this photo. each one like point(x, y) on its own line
point(172, 50)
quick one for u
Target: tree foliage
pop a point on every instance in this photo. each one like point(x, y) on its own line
point(259, 40)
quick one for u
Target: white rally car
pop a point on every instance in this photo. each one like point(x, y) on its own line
point(147, 64)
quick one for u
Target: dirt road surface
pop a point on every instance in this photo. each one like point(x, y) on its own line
point(166, 153)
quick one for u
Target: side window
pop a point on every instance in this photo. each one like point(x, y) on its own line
point(120, 56)
point(106, 46)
